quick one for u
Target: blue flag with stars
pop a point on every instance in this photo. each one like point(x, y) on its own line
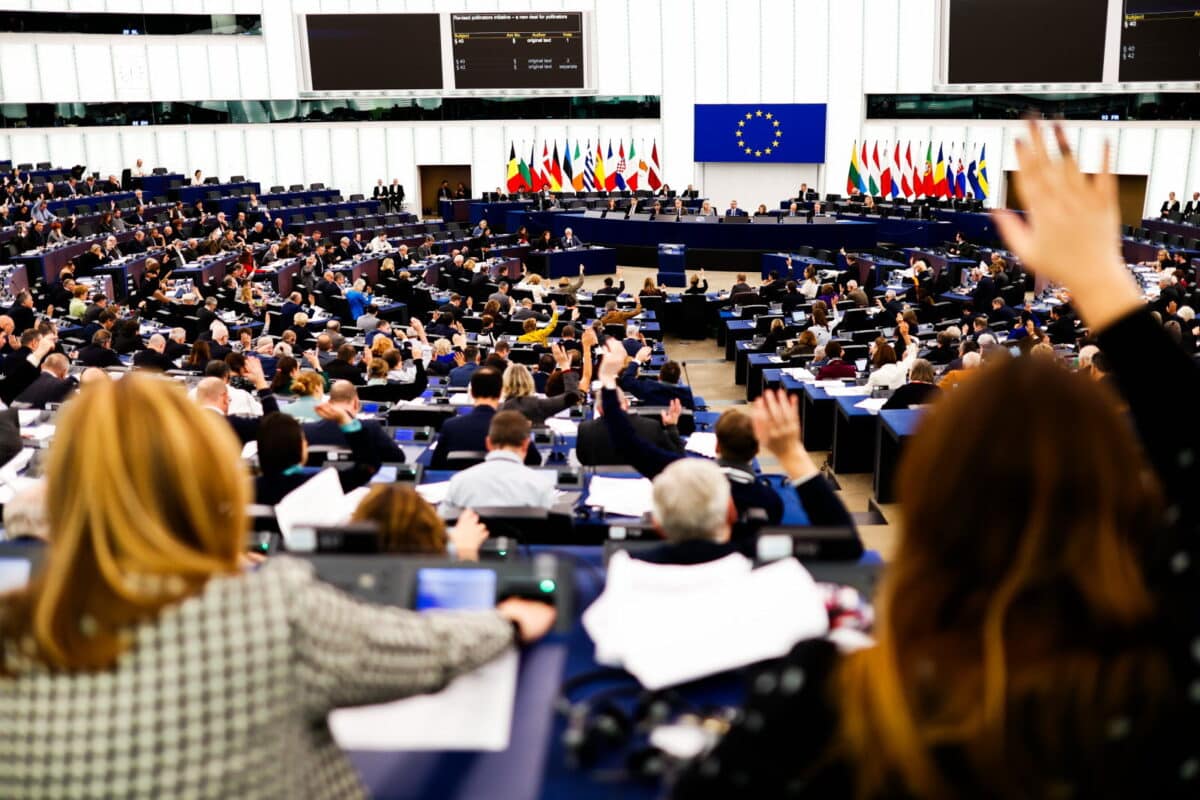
point(760, 132)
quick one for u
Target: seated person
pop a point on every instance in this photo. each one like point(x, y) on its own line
point(502, 480)
point(593, 445)
point(408, 524)
point(283, 451)
point(918, 391)
point(775, 423)
point(691, 510)
point(656, 392)
point(835, 367)
point(697, 284)
point(519, 396)
point(344, 396)
point(467, 433)
point(99, 352)
point(52, 385)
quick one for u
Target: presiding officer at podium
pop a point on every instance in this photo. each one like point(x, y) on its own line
point(143, 662)
point(570, 240)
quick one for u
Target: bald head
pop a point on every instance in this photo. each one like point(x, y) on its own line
point(343, 393)
point(211, 391)
point(56, 364)
point(91, 375)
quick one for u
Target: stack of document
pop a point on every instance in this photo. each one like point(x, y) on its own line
point(626, 497)
point(318, 502)
point(848, 391)
point(563, 427)
point(669, 624)
point(702, 443)
point(872, 404)
point(799, 373)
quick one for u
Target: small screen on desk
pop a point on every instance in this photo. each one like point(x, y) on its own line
point(459, 589)
point(405, 436)
point(14, 573)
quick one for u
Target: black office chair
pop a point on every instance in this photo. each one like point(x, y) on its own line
point(693, 316)
point(464, 459)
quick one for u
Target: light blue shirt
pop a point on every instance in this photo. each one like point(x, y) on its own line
point(502, 480)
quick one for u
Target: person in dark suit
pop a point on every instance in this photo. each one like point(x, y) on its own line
point(570, 240)
point(396, 194)
point(380, 192)
point(594, 446)
point(213, 393)
point(283, 451)
point(468, 432)
point(445, 192)
point(1170, 206)
point(22, 312)
point(21, 366)
point(154, 356)
point(657, 392)
point(734, 211)
point(610, 291)
point(343, 395)
point(1193, 205)
point(984, 291)
point(918, 391)
point(343, 367)
point(51, 386)
point(460, 376)
point(99, 352)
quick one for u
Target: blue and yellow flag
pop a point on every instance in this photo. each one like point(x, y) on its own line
point(780, 132)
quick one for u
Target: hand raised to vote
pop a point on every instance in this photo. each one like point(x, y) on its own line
point(1071, 229)
point(589, 338)
point(467, 535)
point(333, 413)
point(671, 415)
point(776, 419)
point(611, 362)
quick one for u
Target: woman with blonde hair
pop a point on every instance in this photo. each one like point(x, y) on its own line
point(309, 389)
point(532, 283)
point(1036, 631)
point(381, 346)
point(518, 395)
point(140, 633)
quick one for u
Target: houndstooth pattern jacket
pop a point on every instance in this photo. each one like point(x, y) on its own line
point(225, 695)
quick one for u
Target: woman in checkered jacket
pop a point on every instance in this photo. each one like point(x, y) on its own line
point(143, 663)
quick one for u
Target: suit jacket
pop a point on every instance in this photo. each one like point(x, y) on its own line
point(383, 447)
point(23, 318)
point(735, 212)
point(46, 389)
point(1192, 207)
point(574, 241)
point(338, 370)
point(92, 355)
point(468, 432)
point(1170, 208)
point(152, 359)
point(655, 393)
point(594, 446)
point(836, 368)
point(379, 191)
point(461, 376)
point(246, 427)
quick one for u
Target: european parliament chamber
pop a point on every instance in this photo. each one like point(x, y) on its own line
point(584, 399)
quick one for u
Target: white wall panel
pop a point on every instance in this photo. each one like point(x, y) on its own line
point(917, 46)
point(345, 159)
point(879, 45)
point(163, 62)
point(1193, 170)
point(19, 81)
point(745, 67)
point(645, 47)
point(172, 150)
point(427, 145)
point(29, 147)
point(223, 71)
point(130, 71)
point(119, 6)
point(489, 159)
point(1091, 146)
point(289, 155)
point(90, 6)
point(1169, 168)
point(777, 51)
point(252, 72)
point(845, 104)
point(1135, 151)
point(811, 52)
point(680, 64)
point(318, 166)
point(139, 143)
point(372, 157)
point(456, 144)
point(231, 153)
point(93, 63)
point(401, 161)
point(279, 40)
point(56, 69)
point(613, 66)
point(201, 151)
point(194, 78)
point(259, 143)
point(66, 148)
point(704, 60)
point(102, 149)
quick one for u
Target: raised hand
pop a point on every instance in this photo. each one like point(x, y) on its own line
point(776, 419)
point(1071, 230)
point(671, 415)
point(611, 362)
point(467, 535)
point(334, 413)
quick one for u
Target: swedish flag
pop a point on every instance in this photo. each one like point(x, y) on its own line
point(783, 132)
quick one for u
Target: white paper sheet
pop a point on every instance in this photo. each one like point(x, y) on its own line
point(434, 493)
point(250, 450)
point(28, 416)
point(319, 501)
point(872, 404)
point(799, 373)
point(670, 624)
point(628, 497)
point(39, 433)
point(849, 391)
point(829, 384)
point(563, 427)
point(702, 443)
point(473, 713)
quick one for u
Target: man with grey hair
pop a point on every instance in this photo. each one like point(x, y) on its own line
point(25, 514)
point(176, 346)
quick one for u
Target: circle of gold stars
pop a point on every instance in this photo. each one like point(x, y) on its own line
point(775, 130)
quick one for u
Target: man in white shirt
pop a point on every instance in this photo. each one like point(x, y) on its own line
point(502, 479)
point(379, 244)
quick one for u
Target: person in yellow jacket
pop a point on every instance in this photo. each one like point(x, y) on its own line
point(535, 335)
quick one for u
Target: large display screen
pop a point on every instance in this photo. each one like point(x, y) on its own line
point(1160, 40)
point(518, 51)
point(1026, 41)
point(374, 52)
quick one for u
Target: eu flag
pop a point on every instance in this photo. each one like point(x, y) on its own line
point(760, 132)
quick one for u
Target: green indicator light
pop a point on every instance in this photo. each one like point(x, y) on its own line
point(547, 586)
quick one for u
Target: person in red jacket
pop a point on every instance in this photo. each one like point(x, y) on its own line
point(835, 367)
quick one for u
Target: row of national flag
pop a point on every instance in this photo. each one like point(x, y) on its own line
point(583, 169)
point(902, 171)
